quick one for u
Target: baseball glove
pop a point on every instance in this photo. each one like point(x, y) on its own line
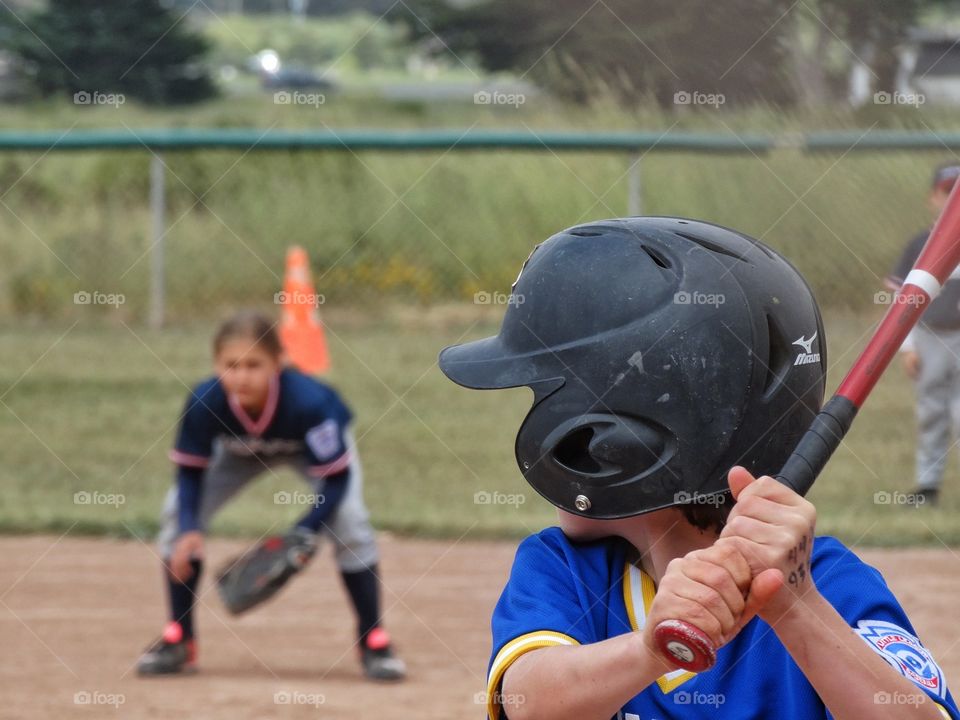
point(257, 575)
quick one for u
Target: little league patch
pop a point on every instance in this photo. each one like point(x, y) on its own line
point(904, 652)
point(324, 439)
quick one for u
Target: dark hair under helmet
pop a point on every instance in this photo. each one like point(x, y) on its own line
point(661, 352)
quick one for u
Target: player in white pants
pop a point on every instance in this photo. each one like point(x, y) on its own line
point(931, 356)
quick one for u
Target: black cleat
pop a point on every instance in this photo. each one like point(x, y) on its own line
point(379, 661)
point(931, 496)
point(170, 654)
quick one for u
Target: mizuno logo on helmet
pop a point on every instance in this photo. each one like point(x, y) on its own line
point(806, 357)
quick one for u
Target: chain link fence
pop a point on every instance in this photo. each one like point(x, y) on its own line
point(423, 226)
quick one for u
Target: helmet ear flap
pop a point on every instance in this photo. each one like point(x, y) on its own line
point(629, 444)
point(600, 445)
point(574, 451)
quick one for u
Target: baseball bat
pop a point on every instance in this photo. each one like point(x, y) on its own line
point(689, 646)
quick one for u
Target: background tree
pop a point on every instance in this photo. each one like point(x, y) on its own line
point(773, 51)
point(646, 48)
point(135, 47)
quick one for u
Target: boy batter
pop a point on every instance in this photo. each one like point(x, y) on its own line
point(663, 352)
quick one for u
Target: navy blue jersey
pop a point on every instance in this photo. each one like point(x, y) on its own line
point(302, 416)
point(944, 312)
point(566, 593)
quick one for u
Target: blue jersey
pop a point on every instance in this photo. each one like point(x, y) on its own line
point(566, 593)
point(302, 417)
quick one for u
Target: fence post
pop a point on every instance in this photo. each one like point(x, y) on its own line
point(634, 189)
point(157, 213)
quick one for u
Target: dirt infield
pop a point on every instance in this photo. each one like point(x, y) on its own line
point(74, 613)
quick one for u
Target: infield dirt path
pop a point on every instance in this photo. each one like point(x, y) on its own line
point(75, 613)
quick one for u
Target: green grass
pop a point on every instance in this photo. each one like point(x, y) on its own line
point(92, 407)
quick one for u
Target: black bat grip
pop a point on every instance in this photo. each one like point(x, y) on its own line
point(817, 444)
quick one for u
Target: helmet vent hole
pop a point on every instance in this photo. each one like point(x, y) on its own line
point(657, 258)
point(585, 233)
point(573, 452)
point(778, 358)
point(759, 246)
point(713, 247)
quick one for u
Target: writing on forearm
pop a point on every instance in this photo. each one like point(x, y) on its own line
point(799, 559)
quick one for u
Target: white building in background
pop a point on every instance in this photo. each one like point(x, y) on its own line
point(930, 64)
point(929, 67)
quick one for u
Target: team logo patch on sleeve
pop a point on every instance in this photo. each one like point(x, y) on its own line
point(324, 440)
point(904, 651)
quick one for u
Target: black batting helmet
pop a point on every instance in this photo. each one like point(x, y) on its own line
point(661, 352)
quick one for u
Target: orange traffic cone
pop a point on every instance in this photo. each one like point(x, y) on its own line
point(301, 330)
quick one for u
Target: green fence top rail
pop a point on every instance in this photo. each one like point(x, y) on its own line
point(332, 139)
point(853, 140)
point(527, 139)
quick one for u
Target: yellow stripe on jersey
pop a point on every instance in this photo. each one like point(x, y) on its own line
point(628, 598)
point(943, 711)
point(638, 594)
point(508, 655)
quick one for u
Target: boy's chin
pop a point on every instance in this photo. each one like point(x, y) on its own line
point(577, 536)
point(582, 529)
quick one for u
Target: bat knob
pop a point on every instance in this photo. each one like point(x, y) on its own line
point(688, 647)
